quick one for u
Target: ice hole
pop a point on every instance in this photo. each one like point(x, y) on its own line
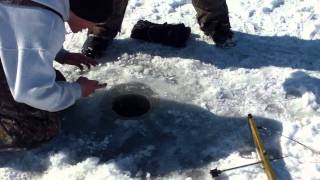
point(131, 105)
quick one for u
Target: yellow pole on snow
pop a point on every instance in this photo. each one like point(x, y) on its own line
point(260, 148)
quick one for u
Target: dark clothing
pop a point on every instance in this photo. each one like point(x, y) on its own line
point(110, 28)
point(210, 15)
point(22, 126)
point(95, 11)
point(103, 34)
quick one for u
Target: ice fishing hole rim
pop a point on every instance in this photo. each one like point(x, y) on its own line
point(131, 105)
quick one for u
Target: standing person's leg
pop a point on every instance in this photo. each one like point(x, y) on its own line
point(102, 35)
point(22, 126)
point(213, 18)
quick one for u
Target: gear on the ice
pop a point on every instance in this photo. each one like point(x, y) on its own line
point(175, 35)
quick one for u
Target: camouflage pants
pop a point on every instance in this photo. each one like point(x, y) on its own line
point(210, 14)
point(22, 126)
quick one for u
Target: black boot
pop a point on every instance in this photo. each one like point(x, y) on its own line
point(175, 35)
point(95, 47)
point(223, 36)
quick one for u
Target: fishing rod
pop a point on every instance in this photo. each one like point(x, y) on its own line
point(260, 148)
point(291, 139)
point(265, 161)
point(216, 172)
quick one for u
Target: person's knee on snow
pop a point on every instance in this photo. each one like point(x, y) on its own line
point(22, 134)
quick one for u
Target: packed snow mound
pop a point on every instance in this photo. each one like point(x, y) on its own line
point(200, 97)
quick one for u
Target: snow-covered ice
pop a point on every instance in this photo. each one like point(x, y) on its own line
point(200, 98)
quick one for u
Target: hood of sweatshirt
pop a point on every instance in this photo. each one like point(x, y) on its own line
point(61, 6)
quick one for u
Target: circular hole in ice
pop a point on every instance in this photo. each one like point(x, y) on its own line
point(131, 105)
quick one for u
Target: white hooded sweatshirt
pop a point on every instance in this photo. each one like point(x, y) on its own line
point(30, 38)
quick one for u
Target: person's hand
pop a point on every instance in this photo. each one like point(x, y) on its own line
point(79, 60)
point(89, 86)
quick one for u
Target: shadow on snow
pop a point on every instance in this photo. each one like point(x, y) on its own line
point(252, 51)
point(173, 137)
point(300, 83)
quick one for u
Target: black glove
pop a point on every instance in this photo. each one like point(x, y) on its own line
point(175, 35)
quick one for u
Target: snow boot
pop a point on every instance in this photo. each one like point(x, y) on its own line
point(94, 46)
point(223, 37)
point(175, 35)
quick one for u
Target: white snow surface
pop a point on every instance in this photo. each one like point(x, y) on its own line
point(200, 98)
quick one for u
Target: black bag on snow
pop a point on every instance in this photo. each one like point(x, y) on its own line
point(175, 35)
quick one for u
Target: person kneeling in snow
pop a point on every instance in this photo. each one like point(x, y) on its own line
point(31, 90)
point(212, 16)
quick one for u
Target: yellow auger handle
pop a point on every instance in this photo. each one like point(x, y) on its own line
point(260, 148)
